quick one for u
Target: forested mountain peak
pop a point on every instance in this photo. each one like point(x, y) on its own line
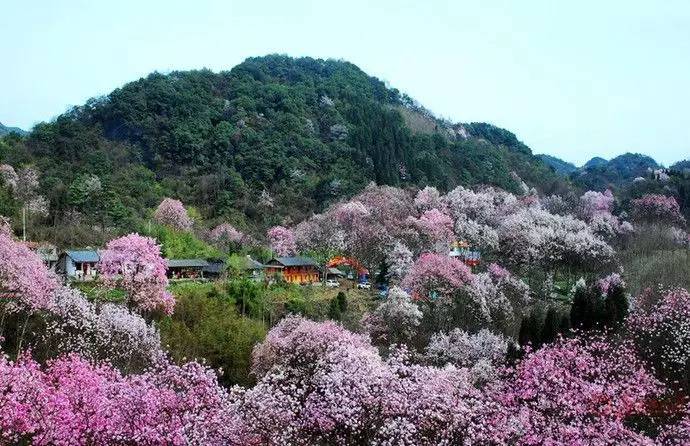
point(294, 134)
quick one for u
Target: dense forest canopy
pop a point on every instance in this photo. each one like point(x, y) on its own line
point(275, 138)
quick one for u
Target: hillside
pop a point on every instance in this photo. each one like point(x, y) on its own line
point(274, 138)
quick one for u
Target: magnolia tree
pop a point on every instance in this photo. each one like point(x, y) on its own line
point(134, 263)
point(395, 320)
point(657, 208)
point(435, 276)
point(282, 241)
point(172, 213)
point(574, 392)
point(660, 325)
point(534, 237)
point(25, 283)
point(482, 352)
point(107, 332)
point(226, 236)
point(71, 401)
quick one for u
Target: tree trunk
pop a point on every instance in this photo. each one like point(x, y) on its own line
point(24, 223)
point(21, 337)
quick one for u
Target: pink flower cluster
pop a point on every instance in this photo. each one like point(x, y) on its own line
point(73, 402)
point(172, 213)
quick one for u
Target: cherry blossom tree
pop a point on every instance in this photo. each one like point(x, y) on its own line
point(134, 263)
point(282, 241)
point(171, 212)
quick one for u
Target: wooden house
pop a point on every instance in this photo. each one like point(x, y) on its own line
point(300, 270)
point(186, 268)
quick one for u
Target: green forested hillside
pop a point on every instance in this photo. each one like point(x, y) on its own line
point(274, 138)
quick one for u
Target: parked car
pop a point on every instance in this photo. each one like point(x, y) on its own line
point(332, 283)
point(364, 285)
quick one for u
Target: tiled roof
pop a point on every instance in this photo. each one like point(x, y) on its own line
point(84, 256)
point(295, 261)
point(187, 263)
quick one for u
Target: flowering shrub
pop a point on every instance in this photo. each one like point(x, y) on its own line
point(171, 212)
point(134, 263)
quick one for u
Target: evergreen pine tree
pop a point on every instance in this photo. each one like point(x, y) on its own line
point(551, 326)
point(616, 306)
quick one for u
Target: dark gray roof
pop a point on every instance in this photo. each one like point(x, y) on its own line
point(215, 267)
point(187, 263)
point(84, 255)
point(295, 261)
point(253, 264)
point(335, 272)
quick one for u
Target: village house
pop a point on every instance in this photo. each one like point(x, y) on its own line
point(78, 264)
point(300, 270)
point(47, 252)
point(186, 268)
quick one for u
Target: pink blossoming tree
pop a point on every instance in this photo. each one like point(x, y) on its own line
point(282, 241)
point(134, 263)
point(172, 213)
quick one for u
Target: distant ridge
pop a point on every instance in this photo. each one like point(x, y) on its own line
point(4, 130)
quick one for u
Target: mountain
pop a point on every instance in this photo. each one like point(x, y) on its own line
point(595, 162)
point(273, 139)
point(599, 174)
point(681, 165)
point(561, 167)
point(4, 130)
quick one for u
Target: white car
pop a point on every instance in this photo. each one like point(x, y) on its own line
point(364, 285)
point(332, 283)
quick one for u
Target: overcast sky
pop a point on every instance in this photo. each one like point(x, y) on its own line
point(572, 79)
